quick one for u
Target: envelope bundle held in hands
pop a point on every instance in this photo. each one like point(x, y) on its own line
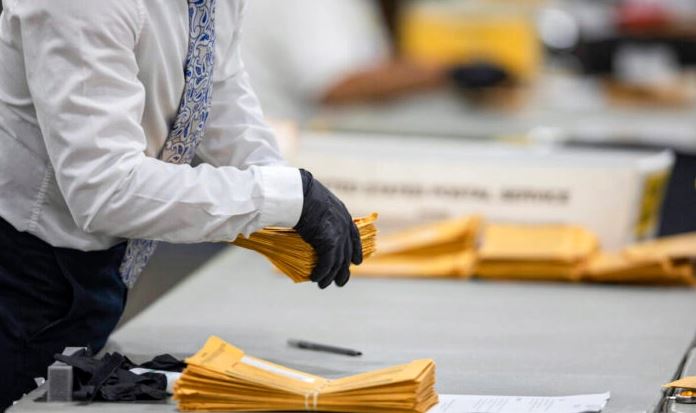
point(220, 377)
point(292, 255)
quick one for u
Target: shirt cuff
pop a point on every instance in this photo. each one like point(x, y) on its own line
point(283, 196)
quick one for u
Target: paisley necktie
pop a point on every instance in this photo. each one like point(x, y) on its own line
point(192, 116)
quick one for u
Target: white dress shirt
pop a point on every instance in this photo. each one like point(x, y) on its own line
point(319, 42)
point(88, 91)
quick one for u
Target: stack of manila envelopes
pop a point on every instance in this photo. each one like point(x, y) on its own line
point(556, 252)
point(443, 249)
point(220, 377)
point(535, 252)
point(403, 266)
point(569, 253)
point(667, 260)
point(621, 268)
point(292, 255)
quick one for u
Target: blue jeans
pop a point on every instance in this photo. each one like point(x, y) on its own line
point(51, 298)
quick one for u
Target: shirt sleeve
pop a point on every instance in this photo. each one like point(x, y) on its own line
point(82, 74)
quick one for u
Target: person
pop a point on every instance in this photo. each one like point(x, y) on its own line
point(302, 54)
point(103, 104)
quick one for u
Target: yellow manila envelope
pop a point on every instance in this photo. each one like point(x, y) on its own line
point(221, 377)
point(451, 236)
point(621, 268)
point(538, 252)
point(460, 264)
point(566, 243)
point(442, 249)
point(688, 383)
point(531, 271)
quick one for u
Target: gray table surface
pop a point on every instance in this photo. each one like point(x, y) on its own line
point(486, 338)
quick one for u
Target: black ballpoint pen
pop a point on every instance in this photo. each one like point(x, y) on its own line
point(306, 345)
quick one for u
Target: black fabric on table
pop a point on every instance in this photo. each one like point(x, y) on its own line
point(110, 379)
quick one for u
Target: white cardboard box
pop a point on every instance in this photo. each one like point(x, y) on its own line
point(615, 193)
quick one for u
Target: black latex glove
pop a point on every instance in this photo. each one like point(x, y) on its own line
point(110, 379)
point(327, 226)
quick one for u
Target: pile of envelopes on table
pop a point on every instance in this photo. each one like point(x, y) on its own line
point(668, 260)
point(469, 247)
point(220, 377)
point(443, 249)
point(545, 252)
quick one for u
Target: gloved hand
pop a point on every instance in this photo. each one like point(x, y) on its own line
point(477, 76)
point(326, 225)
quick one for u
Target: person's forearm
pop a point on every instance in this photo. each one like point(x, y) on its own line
point(385, 81)
point(179, 204)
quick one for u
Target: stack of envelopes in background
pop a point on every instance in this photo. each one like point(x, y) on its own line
point(444, 249)
point(292, 255)
point(667, 260)
point(220, 377)
point(621, 268)
point(538, 252)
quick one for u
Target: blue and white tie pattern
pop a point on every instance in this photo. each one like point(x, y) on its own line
point(191, 119)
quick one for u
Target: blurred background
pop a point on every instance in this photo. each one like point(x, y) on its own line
point(528, 111)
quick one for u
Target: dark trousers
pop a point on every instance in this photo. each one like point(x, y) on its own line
point(51, 298)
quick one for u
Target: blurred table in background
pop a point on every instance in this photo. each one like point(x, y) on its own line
point(487, 338)
point(559, 108)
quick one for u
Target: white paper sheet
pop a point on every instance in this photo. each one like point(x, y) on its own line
point(588, 403)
